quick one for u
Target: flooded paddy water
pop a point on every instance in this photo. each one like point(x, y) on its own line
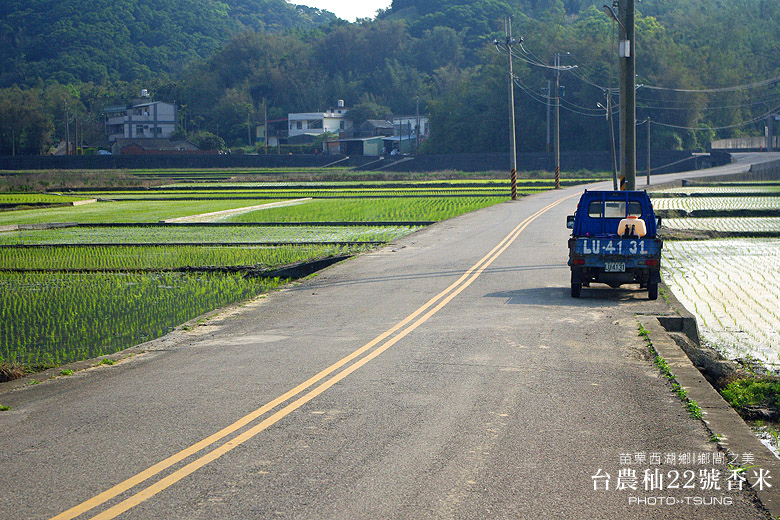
point(731, 284)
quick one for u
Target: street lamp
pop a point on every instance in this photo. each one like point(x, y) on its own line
point(612, 14)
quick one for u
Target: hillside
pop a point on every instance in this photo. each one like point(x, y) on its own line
point(100, 40)
point(225, 64)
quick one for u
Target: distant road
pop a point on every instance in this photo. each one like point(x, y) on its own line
point(448, 375)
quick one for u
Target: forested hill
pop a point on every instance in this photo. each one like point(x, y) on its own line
point(98, 40)
point(708, 68)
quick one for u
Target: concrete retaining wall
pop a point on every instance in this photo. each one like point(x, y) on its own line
point(674, 161)
point(153, 162)
point(668, 161)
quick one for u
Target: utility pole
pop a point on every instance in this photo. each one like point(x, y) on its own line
point(510, 41)
point(248, 128)
point(557, 63)
point(608, 109)
point(648, 150)
point(67, 132)
point(265, 125)
point(417, 131)
point(547, 148)
point(626, 14)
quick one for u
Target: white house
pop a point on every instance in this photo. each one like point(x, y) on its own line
point(315, 123)
point(145, 119)
point(407, 126)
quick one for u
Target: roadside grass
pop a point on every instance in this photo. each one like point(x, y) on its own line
point(748, 395)
point(663, 366)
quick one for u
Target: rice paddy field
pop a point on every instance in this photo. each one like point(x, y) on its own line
point(130, 211)
point(56, 318)
point(195, 234)
point(160, 258)
point(731, 284)
point(727, 224)
point(78, 282)
point(718, 203)
point(39, 198)
point(733, 288)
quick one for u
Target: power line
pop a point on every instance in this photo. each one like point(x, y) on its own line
point(543, 101)
point(747, 86)
point(586, 80)
point(709, 107)
point(543, 65)
point(744, 123)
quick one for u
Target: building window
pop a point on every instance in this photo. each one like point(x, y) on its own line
point(299, 125)
point(341, 125)
point(139, 129)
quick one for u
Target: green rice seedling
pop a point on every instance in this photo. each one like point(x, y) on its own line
point(341, 210)
point(201, 234)
point(732, 274)
point(36, 198)
point(134, 258)
point(129, 211)
point(57, 319)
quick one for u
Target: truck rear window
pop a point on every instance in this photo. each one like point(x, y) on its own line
point(614, 209)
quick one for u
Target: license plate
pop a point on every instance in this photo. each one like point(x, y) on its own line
point(615, 267)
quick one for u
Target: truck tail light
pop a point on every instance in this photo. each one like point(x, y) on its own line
point(578, 261)
point(652, 262)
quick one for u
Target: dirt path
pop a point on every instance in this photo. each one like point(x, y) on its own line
point(217, 215)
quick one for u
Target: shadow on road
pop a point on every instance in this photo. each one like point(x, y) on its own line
point(596, 296)
point(324, 282)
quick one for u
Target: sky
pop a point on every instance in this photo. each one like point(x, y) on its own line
point(348, 9)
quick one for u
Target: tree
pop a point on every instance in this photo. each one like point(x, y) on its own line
point(208, 141)
point(367, 109)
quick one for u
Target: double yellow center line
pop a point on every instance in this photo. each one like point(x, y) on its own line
point(324, 380)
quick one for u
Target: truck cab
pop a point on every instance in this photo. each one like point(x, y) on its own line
point(614, 241)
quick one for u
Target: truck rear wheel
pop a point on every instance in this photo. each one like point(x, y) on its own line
point(576, 289)
point(652, 291)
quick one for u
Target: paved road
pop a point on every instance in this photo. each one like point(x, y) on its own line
point(449, 375)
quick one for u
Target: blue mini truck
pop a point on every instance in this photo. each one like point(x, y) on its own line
point(598, 253)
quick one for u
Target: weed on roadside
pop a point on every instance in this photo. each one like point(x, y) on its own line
point(754, 396)
point(663, 366)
